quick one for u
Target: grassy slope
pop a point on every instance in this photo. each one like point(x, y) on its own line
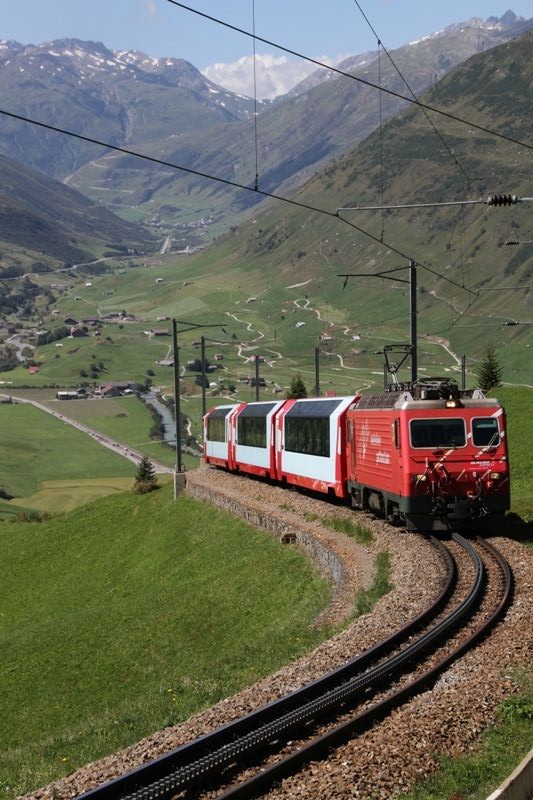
point(131, 614)
point(35, 447)
point(518, 404)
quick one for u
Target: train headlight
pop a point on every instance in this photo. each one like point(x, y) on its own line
point(418, 478)
point(495, 476)
point(453, 403)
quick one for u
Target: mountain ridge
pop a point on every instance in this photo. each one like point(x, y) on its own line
point(166, 108)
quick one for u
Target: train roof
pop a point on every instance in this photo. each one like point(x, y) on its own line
point(427, 392)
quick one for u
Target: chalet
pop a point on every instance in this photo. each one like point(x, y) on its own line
point(114, 389)
point(92, 321)
point(219, 357)
point(77, 332)
point(33, 370)
point(159, 332)
point(70, 321)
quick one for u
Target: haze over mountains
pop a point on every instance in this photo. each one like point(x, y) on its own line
point(166, 108)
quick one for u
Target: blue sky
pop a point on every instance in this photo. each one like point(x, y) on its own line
point(327, 29)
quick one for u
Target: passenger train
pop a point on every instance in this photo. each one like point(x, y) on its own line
point(426, 456)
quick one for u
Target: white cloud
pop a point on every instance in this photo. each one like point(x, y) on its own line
point(151, 8)
point(275, 75)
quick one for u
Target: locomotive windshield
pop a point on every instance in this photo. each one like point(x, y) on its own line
point(485, 432)
point(436, 433)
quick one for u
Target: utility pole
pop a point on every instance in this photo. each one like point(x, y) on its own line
point(386, 275)
point(202, 339)
point(317, 371)
point(257, 378)
point(413, 321)
point(177, 405)
point(189, 326)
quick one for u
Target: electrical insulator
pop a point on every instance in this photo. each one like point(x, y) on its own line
point(502, 199)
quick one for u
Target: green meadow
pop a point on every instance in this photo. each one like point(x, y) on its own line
point(36, 447)
point(518, 404)
point(283, 323)
point(131, 614)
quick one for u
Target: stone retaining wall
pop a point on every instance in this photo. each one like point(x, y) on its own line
point(337, 558)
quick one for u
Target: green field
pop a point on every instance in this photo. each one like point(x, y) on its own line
point(271, 326)
point(131, 614)
point(36, 447)
point(518, 405)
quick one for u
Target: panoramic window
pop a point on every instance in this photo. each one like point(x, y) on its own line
point(252, 431)
point(307, 426)
point(216, 425)
point(252, 424)
point(485, 432)
point(309, 435)
point(436, 433)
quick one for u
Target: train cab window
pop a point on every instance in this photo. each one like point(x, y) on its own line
point(436, 433)
point(485, 432)
point(396, 433)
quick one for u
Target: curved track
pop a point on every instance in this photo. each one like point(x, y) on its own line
point(201, 762)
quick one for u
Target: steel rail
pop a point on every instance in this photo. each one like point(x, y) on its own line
point(319, 747)
point(170, 773)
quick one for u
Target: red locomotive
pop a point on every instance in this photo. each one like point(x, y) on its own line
point(427, 457)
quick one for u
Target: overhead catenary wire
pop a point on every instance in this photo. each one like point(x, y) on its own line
point(234, 184)
point(256, 184)
point(381, 172)
point(422, 108)
point(356, 78)
point(460, 218)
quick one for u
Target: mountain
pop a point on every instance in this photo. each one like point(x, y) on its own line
point(473, 288)
point(44, 222)
point(295, 134)
point(123, 98)
point(165, 108)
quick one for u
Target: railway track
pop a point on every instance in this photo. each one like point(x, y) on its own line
point(306, 724)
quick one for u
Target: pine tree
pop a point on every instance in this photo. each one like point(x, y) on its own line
point(145, 479)
point(490, 371)
point(297, 388)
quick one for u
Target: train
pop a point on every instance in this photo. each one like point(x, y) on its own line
point(426, 456)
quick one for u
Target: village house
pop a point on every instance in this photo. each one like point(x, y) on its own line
point(76, 332)
point(114, 389)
